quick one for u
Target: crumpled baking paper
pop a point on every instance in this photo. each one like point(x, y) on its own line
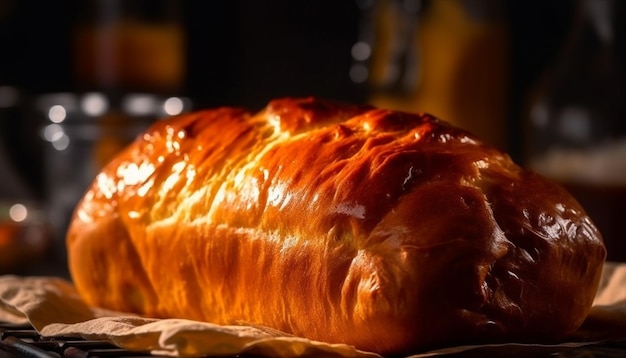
point(54, 308)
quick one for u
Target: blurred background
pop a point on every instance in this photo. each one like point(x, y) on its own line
point(79, 79)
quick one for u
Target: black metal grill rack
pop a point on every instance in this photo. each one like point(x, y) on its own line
point(22, 341)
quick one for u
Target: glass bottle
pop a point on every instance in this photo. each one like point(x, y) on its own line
point(577, 118)
point(446, 57)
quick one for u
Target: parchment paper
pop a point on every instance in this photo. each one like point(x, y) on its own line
point(54, 308)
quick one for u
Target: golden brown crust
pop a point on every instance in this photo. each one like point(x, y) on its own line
point(390, 231)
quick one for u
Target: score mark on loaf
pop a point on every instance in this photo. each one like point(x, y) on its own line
point(393, 232)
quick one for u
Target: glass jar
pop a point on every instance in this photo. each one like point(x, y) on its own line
point(577, 118)
point(83, 132)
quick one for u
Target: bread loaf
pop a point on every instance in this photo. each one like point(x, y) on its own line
point(392, 232)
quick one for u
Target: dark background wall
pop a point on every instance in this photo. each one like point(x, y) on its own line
point(246, 52)
point(243, 50)
point(238, 51)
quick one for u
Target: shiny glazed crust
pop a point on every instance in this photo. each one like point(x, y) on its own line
point(390, 231)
